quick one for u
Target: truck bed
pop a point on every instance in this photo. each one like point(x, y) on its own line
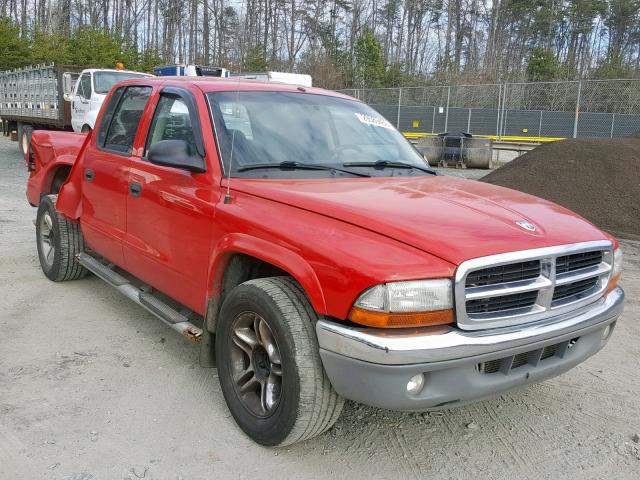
point(50, 152)
point(34, 95)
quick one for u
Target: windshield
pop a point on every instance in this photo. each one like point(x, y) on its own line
point(298, 128)
point(103, 81)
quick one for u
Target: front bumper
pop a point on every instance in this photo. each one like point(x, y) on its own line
point(373, 366)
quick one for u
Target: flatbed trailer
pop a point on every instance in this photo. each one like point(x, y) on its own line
point(33, 98)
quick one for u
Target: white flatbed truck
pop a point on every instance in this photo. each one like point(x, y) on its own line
point(53, 97)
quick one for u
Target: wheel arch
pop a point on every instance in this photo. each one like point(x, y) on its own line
point(240, 257)
point(58, 172)
point(91, 118)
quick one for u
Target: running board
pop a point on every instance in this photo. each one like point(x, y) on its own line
point(152, 304)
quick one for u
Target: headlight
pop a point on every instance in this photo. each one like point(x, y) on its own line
point(617, 262)
point(616, 270)
point(414, 303)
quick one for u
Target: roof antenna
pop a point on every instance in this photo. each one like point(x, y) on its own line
point(227, 197)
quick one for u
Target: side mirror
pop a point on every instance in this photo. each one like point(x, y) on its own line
point(175, 153)
point(68, 82)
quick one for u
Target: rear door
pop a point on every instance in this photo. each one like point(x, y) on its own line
point(170, 210)
point(106, 172)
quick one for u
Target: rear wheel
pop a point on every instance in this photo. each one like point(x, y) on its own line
point(19, 133)
point(59, 240)
point(269, 365)
point(24, 138)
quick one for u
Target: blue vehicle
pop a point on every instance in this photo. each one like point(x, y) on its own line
point(183, 70)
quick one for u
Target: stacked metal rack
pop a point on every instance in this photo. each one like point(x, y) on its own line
point(33, 95)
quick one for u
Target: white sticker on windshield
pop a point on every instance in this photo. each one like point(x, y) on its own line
point(375, 121)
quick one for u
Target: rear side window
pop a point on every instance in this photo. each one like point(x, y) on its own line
point(121, 130)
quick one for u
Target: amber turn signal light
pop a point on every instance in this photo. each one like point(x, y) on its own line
point(400, 320)
point(613, 282)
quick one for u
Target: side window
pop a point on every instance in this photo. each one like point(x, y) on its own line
point(107, 115)
point(79, 89)
point(84, 86)
point(123, 126)
point(171, 121)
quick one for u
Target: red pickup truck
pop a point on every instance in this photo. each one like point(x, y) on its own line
point(313, 254)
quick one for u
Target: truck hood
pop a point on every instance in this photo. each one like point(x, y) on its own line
point(448, 217)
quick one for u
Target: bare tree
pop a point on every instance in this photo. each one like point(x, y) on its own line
point(422, 39)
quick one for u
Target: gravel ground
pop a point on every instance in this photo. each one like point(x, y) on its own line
point(93, 387)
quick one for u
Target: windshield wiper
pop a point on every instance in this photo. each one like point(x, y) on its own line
point(298, 166)
point(389, 164)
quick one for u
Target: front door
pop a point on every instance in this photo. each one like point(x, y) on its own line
point(81, 101)
point(106, 173)
point(170, 210)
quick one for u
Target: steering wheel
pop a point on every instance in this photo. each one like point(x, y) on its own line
point(338, 151)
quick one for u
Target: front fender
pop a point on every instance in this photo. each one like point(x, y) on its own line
point(272, 253)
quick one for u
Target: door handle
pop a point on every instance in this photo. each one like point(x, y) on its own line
point(88, 174)
point(135, 189)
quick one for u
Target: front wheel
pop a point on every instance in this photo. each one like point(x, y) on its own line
point(59, 240)
point(269, 364)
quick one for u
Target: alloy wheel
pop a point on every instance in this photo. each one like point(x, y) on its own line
point(25, 142)
point(256, 365)
point(47, 244)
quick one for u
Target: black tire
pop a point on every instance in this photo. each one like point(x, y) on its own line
point(307, 405)
point(58, 180)
point(19, 132)
point(24, 138)
point(65, 238)
point(85, 129)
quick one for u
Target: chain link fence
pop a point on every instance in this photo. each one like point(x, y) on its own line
point(512, 111)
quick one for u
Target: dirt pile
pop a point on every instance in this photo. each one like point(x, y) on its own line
point(596, 178)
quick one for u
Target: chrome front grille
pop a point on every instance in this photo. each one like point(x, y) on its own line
point(502, 303)
point(504, 273)
point(530, 285)
point(573, 289)
point(577, 261)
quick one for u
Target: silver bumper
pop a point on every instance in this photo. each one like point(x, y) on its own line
point(373, 366)
point(436, 344)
